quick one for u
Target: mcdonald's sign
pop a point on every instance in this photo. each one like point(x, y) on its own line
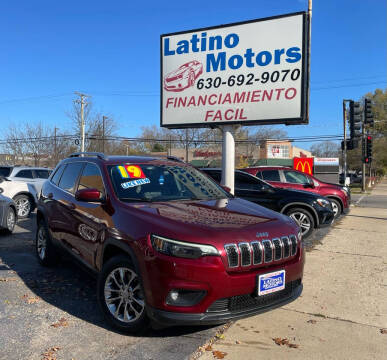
point(303, 164)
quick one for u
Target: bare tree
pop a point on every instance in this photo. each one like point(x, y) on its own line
point(325, 149)
point(15, 144)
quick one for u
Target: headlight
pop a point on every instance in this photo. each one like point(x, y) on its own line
point(182, 249)
point(323, 202)
point(345, 189)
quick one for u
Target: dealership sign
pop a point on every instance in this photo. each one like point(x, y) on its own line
point(247, 73)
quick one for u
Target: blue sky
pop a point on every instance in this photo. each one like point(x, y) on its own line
point(110, 50)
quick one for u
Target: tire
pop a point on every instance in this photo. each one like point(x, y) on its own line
point(10, 220)
point(336, 207)
point(121, 281)
point(304, 219)
point(191, 79)
point(45, 250)
point(23, 206)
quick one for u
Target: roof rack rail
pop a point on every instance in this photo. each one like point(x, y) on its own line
point(99, 155)
point(175, 158)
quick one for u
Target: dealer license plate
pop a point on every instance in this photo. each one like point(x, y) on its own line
point(271, 282)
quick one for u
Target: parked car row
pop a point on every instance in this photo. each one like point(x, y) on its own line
point(22, 184)
point(170, 245)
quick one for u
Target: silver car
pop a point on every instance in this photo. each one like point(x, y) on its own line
point(8, 214)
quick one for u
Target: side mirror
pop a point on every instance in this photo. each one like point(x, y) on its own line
point(308, 185)
point(88, 195)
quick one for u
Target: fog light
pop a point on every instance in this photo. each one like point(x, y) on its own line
point(182, 297)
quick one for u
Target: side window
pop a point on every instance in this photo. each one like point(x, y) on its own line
point(42, 174)
point(70, 176)
point(270, 175)
point(259, 175)
point(246, 182)
point(55, 179)
point(296, 177)
point(24, 174)
point(91, 178)
point(217, 176)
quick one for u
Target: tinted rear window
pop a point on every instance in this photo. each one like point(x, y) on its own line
point(5, 171)
point(270, 175)
point(24, 174)
point(70, 176)
point(42, 174)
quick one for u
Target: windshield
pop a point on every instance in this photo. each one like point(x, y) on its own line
point(5, 171)
point(147, 182)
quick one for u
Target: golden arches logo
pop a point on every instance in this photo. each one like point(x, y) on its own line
point(304, 165)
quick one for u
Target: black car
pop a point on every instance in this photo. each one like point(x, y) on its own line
point(309, 210)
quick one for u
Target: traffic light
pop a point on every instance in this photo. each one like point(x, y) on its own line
point(368, 149)
point(368, 113)
point(355, 119)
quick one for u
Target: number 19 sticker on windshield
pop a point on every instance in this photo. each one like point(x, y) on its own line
point(272, 282)
point(131, 171)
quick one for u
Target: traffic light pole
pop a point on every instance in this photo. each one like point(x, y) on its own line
point(345, 142)
point(364, 150)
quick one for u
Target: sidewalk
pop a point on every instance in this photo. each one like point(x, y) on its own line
point(343, 306)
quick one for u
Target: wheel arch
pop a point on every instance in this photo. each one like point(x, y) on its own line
point(113, 247)
point(337, 198)
point(305, 207)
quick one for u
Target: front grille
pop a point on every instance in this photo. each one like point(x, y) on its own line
point(232, 255)
point(277, 243)
point(257, 252)
point(293, 240)
point(251, 301)
point(268, 248)
point(244, 249)
point(286, 243)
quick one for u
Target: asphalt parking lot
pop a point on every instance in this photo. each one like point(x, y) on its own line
point(49, 313)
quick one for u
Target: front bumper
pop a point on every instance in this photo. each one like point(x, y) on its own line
point(326, 217)
point(219, 317)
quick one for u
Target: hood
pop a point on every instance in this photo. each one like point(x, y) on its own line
point(215, 221)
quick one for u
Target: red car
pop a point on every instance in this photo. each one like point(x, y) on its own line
point(286, 177)
point(184, 77)
point(167, 243)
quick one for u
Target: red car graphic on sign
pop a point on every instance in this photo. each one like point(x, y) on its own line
point(183, 77)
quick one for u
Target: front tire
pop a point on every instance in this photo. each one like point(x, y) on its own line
point(336, 207)
point(45, 250)
point(304, 219)
point(23, 206)
point(121, 296)
point(11, 220)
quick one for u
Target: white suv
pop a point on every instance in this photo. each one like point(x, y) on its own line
point(22, 184)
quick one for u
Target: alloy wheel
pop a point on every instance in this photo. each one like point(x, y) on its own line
point(335, 208)
point(42, 243)
point(11, 219)
point(302, 220)
point(123, 295)
point(23, 207)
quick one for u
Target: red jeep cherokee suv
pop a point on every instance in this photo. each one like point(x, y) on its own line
point(285, 177)
point(167, 243)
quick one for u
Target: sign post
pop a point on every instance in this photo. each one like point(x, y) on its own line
point(248, 73)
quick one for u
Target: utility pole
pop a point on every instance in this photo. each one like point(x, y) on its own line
point(83, 103)
point(103, 133)
point(364, 149)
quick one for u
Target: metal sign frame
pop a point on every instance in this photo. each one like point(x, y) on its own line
point(304, 98)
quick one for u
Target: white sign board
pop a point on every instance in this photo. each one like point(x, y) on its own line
point(326, 161)
point(245, 73)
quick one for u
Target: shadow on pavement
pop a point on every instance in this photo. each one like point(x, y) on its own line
point(66, 286)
